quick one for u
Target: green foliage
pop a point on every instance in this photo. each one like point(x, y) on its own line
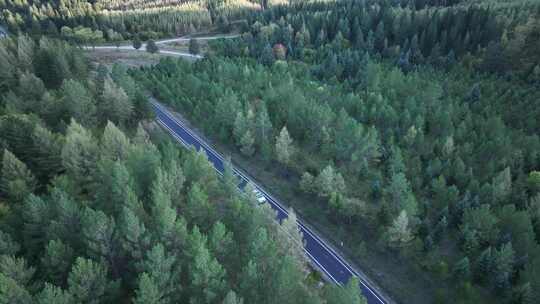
point(148, 291)
point(483, 221)
point(16, 181)
point(79, 155)
point(194, 47)
point(53, 295)
point(7, 245)
point(462, 269)
point(12, 292)
point(151, 47)
point(88, 22)
point(232, 298)
point(78, 102)
point(398, 133)
point(88, 281)
point(206, 273)
point(349, 293)
point(399, 234)
point(111, 217)
point(57, 261)
point(16, 269)
point(284, 147)
point(137, 43)
point(116, 104)
point(534, 181)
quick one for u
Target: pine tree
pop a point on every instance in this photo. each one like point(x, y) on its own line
point(401, 195)
point(232, 298)
point(8, 246)
point(162, 213)
point(226, 113)
point(115, 189)
point(483, 221)
point(137, 44)
point(114, 145)
point(9, 64)
point(349, 293)
point(399, 234)
point(263, 125)
point(267, 55)
point(205, 272)
point(199, 211)
point(57, 261)
point(329, 181)
point(307, 183)
point(151, 47)
point(462, 270)
point(101, 239)
point(16, 269)
point(88, 281)
point(293, 239)
point(246, 144)
point(116, 105)
point(284, 148)
point(79, 155)
point(230, 180)
point(194, 47)
point(220, 242)
point(485, 264)
point(46, 152)
point(240, 126)
point(16, 180)
point(148, 292)
point(25, 51)
point(502, 185)
point(160, 272)
point(12, 292)
point(504, 259)
point(134, 238)
point(78, 102)
point(51, 294)
point(533, 181)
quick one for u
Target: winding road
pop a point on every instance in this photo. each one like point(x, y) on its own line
point(319, 252)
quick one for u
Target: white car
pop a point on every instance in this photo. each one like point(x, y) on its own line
point(260, 197)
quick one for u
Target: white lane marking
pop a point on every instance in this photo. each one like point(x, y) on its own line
point(275, 203)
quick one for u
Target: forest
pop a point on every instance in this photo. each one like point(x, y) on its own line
point(394, 124)
point(110, 20)
point(405, 131)
point(99, 206)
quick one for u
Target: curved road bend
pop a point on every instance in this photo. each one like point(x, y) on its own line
point(331, 263)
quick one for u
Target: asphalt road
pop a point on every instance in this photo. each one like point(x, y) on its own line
point(322, 255)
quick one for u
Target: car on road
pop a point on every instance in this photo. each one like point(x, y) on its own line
point(260, 197)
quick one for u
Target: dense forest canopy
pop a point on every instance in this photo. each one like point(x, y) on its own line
point(417, 124)
point(406, 130)
point(94, 210)
point(119, 20)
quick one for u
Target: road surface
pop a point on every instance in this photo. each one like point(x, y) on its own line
point(322, 255)
point(162, 42)
point(187, 39)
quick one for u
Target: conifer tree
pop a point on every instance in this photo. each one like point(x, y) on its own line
point(51, 294)
point(284, 147)
point(194, 47)
point(16, 181)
